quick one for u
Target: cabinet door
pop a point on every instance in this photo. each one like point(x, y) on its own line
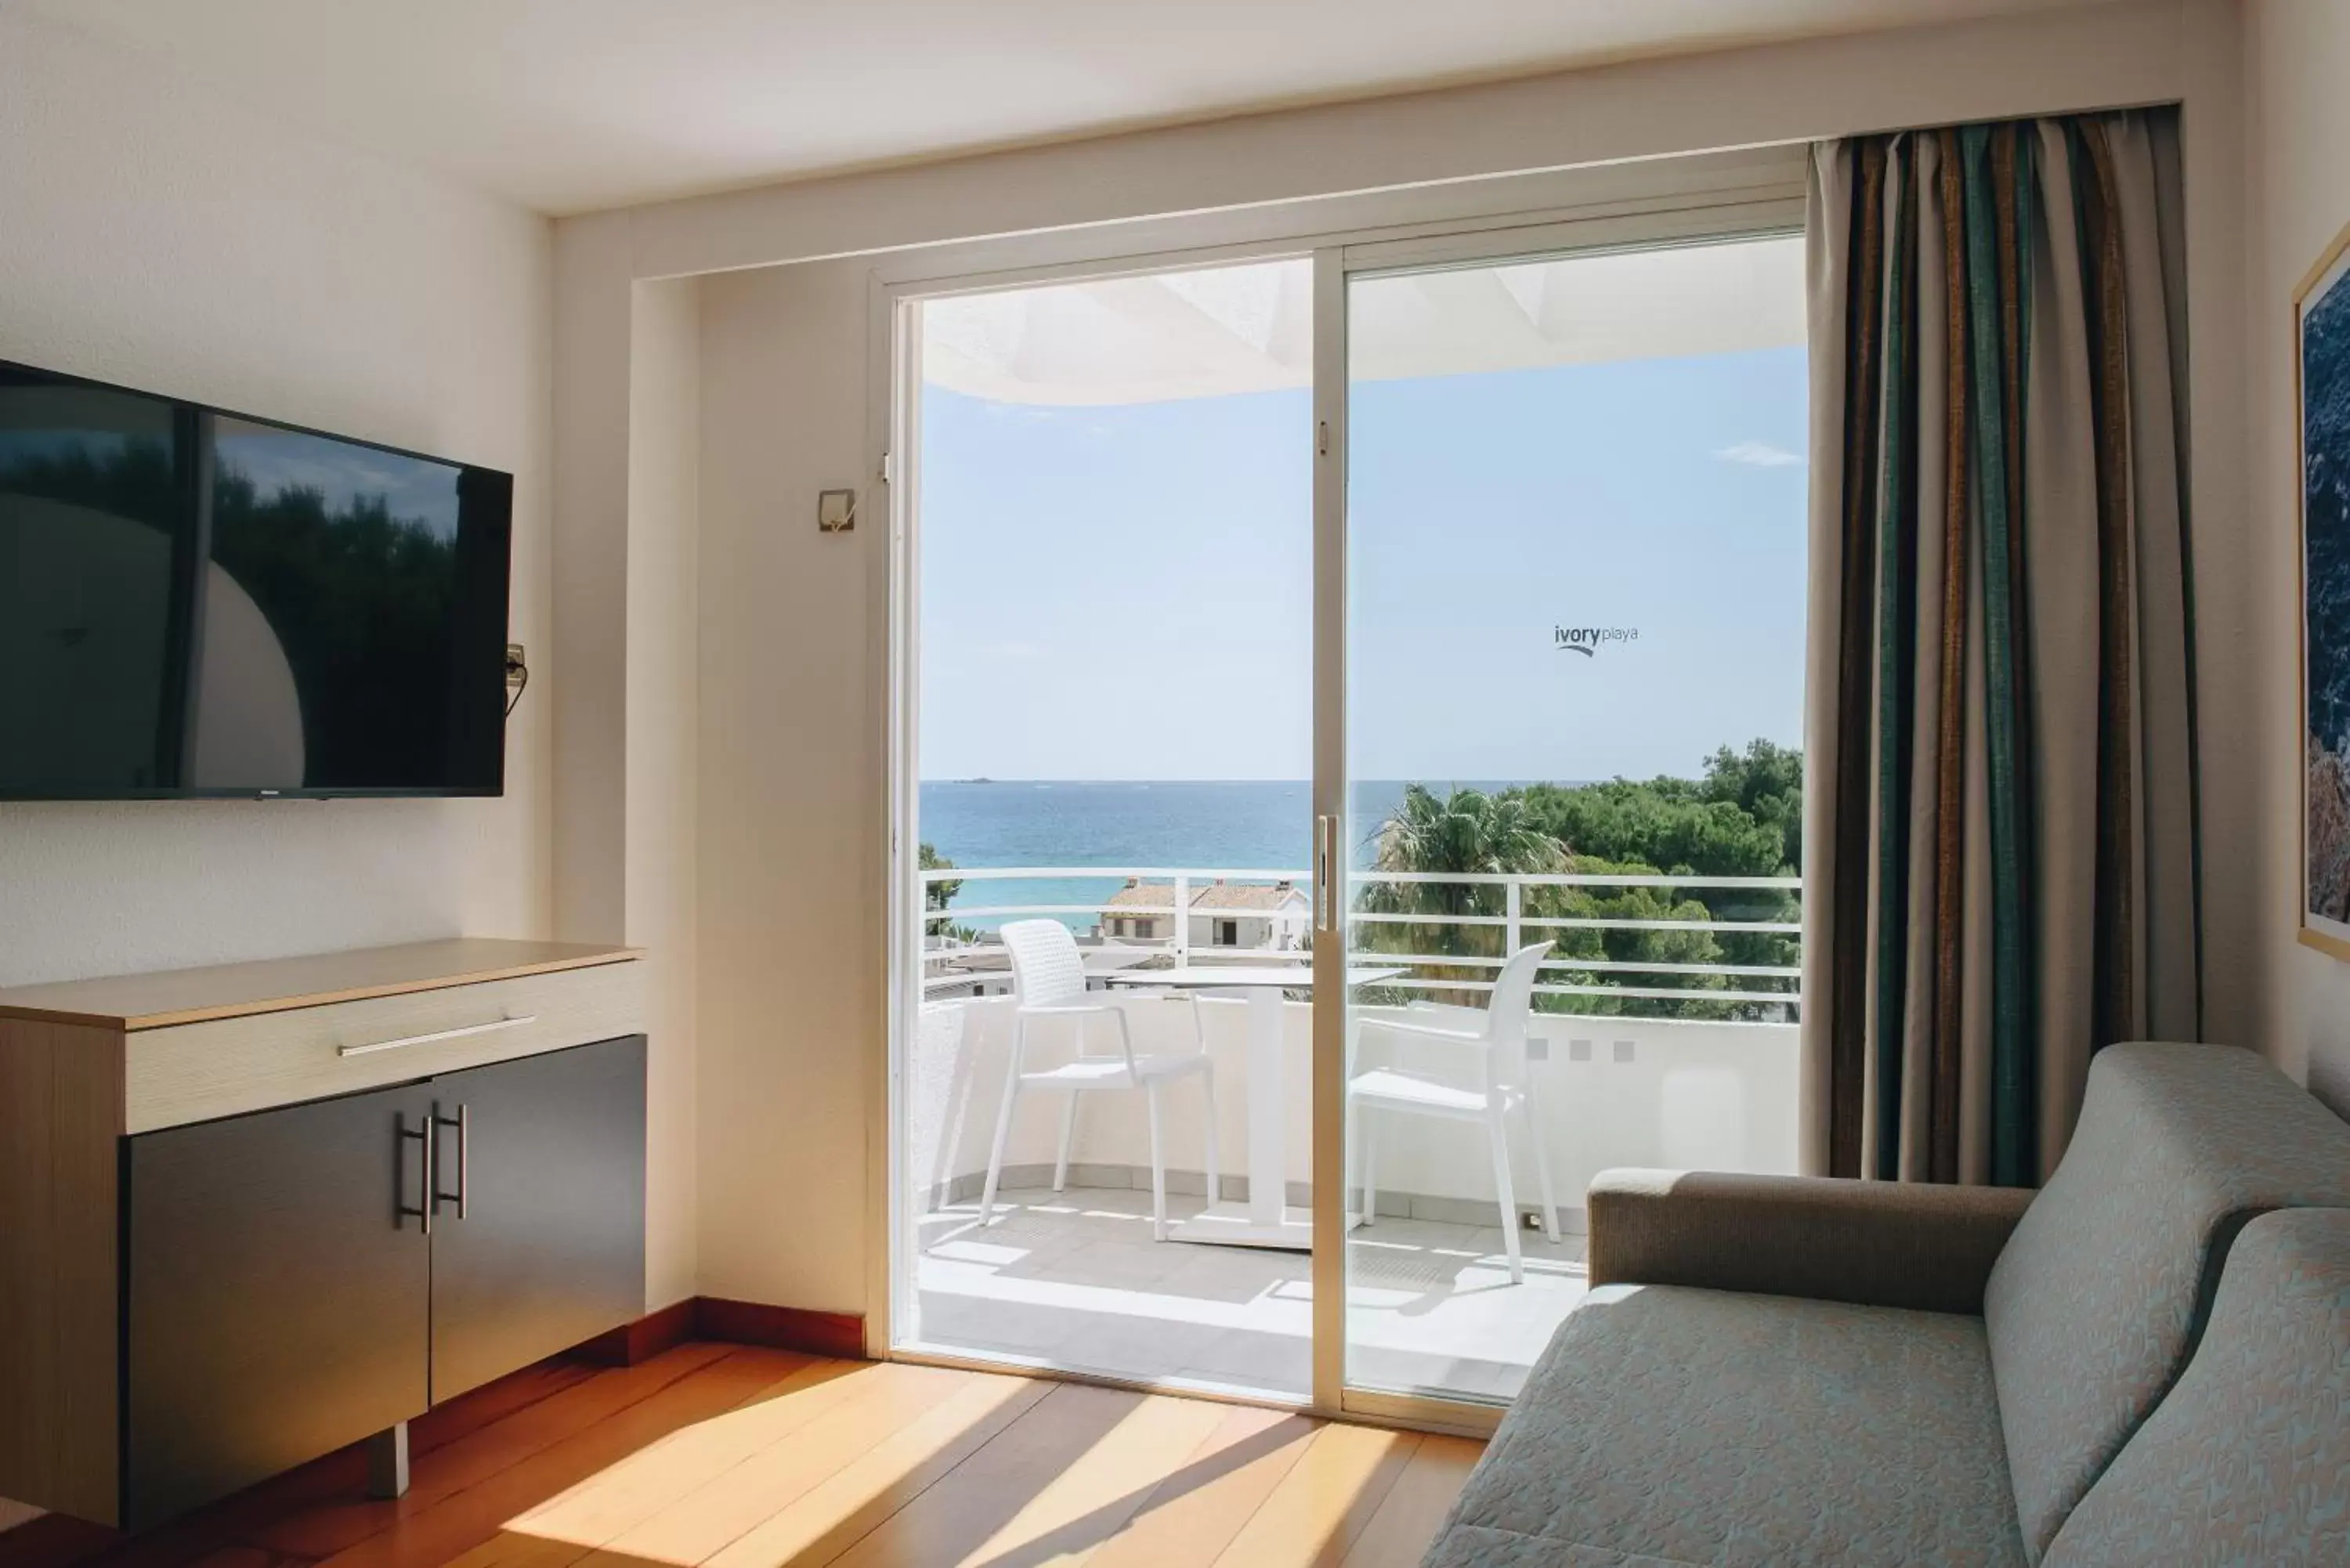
point(547, 1247)
point(278, 1299)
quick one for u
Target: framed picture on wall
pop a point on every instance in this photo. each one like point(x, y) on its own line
point(2321, 362)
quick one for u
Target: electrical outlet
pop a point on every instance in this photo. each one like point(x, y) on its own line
point(1531, 1219)
point(517, 667)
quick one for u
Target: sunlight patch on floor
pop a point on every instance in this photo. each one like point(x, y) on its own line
point(819, 1459)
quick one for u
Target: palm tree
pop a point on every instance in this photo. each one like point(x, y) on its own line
point(1470, 831)
point(1466, 830)
point(1463, 831)
point(936, 896)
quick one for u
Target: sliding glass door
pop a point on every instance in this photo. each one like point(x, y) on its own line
point(1574, 603)
point(1112, 593)
point(1378, 676)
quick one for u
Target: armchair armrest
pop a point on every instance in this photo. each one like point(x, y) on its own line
point(1875, 1243)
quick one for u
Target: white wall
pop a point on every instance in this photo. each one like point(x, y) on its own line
point(792, 664)
point(155, 236)
point(2297, 55)
point(792, 805)
point(152, 234)
point(662, 880)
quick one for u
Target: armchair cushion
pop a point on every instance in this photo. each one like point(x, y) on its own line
point(1670, 1426)
point(1874, 1243)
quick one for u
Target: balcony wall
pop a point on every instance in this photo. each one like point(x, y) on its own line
point(1615, 1091)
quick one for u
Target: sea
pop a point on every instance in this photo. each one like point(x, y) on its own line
point(1242, 824)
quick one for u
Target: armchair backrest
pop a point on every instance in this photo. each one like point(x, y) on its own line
point(2243, 1459)
point(2106, 1285)
point(1047, 970)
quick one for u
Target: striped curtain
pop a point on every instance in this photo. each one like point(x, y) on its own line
point(2001, 871)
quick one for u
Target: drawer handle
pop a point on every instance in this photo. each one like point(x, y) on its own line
point(407, 1040)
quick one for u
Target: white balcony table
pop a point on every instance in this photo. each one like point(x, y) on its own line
point(1266, 1219)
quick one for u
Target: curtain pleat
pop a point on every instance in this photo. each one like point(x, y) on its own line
point(1827, 268)
point(2001, 868)
point(2079, 801)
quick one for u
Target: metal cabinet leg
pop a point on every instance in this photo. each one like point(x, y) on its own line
point(386, 1454)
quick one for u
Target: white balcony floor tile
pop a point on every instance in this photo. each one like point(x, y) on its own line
point(1074, 1281)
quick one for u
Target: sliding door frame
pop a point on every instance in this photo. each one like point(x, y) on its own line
point(1728, 196)
point(1336, 268)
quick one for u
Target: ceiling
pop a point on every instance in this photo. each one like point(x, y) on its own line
point(573, 105)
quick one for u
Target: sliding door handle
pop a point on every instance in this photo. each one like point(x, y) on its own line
point(463, 1122)
point(426, 1183)
point(1327, 873)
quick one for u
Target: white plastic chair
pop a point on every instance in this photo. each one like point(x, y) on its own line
point(1049, 981)
point(1497, 1037)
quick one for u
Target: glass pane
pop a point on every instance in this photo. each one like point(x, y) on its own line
point(1115, 543)
point(1577, 504)
point(92, 499)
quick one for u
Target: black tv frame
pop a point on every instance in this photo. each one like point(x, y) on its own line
point(191, 550)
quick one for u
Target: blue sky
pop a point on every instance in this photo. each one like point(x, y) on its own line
point(1126, 591)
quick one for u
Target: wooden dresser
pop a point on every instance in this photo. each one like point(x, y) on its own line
point(250, 1214)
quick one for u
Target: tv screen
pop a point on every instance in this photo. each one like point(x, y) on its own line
point(199, 603)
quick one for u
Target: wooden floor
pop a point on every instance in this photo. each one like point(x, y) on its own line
point(742, 1458)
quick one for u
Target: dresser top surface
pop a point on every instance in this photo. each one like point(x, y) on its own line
point(169, 997)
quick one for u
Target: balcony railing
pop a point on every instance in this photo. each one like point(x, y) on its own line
point(1500, 911)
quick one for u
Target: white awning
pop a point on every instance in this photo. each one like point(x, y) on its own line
point(1249, 329)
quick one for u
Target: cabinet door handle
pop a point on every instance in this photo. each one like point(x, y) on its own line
point(425, 1195)
point(463, 1122)
point(406, 1040)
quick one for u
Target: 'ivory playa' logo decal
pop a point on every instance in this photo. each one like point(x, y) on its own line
point(1585, 640)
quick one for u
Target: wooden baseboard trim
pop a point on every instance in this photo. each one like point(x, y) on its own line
point(662, 1329)
point(731, 1323)
point(838, 1334)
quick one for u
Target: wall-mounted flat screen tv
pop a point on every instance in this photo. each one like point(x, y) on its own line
point(200, 602)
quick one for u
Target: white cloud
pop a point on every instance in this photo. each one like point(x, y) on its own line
point(1760, 454)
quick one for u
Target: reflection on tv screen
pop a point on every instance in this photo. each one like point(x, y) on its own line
point(90, 508)
point(325, 646)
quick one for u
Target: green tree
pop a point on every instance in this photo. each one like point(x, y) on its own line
point(1742, 817)
point(1766, 783)
point(1694, 945)
point(1662, 823)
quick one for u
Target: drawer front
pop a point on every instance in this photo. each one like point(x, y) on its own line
point(195, 1072)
